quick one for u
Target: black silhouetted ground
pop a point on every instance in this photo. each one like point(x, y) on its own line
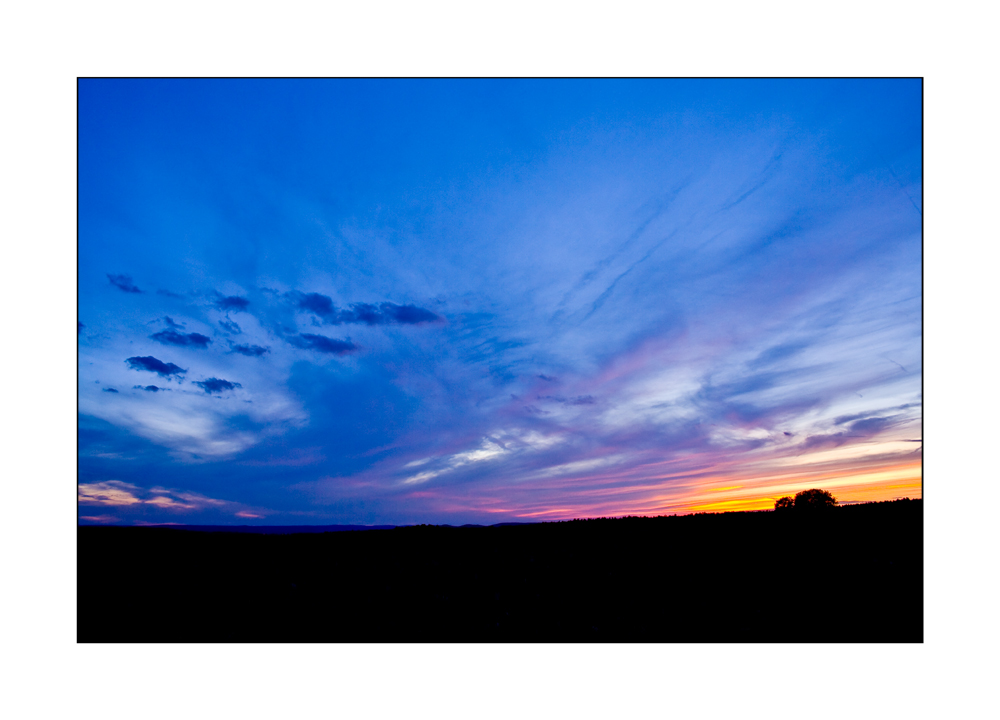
point(850, 574)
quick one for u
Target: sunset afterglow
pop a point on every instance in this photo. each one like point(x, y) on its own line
point(481, 301)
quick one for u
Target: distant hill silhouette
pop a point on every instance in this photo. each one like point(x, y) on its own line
point(277, 529)
point(729, 577)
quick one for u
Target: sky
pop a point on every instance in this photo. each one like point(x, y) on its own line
point(481, 301)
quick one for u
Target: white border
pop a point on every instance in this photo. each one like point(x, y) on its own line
point(47, 46)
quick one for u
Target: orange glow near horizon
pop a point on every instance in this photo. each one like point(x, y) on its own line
point(860, 485)
point(846, 484)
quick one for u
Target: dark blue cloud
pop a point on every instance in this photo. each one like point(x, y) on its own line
point(317, 304)
point(172, 337)
point(361, 313)
point(170, 323)
point(230, 326)
point(79, 327)
point(212, 385)
point(153, 365)
point(123, 283)
point(406, 314)
point(250, 350)
point(148, 388)
point(386, 313)
point(112, 390)
point(232, 302)
point(322, 344)
point(871, 426)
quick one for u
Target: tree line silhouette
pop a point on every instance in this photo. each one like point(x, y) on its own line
point(684, 578)
point(813, 499)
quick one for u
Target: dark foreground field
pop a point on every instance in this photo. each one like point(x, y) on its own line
point(852, 574)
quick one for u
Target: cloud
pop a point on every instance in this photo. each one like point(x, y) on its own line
point(871, 414)
point(408, 314)
point(148, 388)
point(230, 326)
point(79, 327)
point(578, 400)
point(153, 365)
point(317, 304)
point(172, 337)
point(488, 449)
point(386, 313)
point(872, 425)
point(232, 302)
point(167, 293)
point(170, 323)
point(776, 354)
point(821, 442)
point(123, 283)
point(114, 493)
point(100, 518)
point(110, 492)
point(109, 390)
point(163, 501)
point(216, 385)
point(250, 350)
point(323, 344)
point(546, 378)
point(849, 418)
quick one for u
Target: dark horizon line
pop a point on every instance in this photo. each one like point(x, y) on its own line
point(340, 527)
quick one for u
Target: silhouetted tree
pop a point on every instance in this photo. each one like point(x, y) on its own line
point(785, 503)
point(814, 499)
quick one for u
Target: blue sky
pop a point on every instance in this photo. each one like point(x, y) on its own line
point(395, 301)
